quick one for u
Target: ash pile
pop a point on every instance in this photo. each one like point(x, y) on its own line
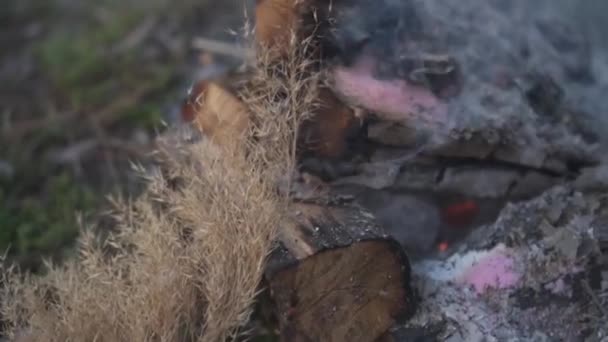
point(478, 143)
point(501, 201)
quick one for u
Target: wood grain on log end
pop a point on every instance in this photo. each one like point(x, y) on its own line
point(338, 277)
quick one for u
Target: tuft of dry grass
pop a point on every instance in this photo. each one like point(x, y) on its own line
point(187, 256)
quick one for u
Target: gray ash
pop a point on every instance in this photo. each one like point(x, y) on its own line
point(487, 62)
point(520, 151)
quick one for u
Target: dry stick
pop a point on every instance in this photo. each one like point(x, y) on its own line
point(78, 150)
point(106, 116)
point(102, 136)
point(23, 128)
point(223, 48)
point(594, 298)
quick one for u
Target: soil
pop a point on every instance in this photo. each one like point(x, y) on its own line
point(84, 89)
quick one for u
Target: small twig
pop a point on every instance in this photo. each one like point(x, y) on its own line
point(102, 137)
point(136, 37)
point(222, 48)
point(74, 153)
point(594, 298)
point(113, 112)
point(18, 130)
point(127, 147)
point(77, 151)
point(106, 116)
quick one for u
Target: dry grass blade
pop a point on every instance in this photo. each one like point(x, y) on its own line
point(187, 256)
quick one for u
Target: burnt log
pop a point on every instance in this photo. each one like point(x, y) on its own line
point(336, 276)
point(288, 27)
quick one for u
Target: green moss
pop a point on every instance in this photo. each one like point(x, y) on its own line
point(85, 66)
point(147, 116)
point(44, 224)
point(80, 65)
point(81, 61)
point(69, 60)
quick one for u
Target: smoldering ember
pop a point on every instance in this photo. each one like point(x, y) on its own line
point(475, 137)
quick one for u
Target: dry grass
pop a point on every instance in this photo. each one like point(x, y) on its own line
point(186, 259)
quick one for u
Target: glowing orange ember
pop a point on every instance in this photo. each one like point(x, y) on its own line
point(460, 214)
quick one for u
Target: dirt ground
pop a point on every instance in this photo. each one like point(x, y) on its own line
point(84, 88)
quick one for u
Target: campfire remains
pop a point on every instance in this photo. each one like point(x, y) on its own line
point(455, 157)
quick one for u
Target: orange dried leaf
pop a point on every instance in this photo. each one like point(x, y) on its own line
point(220, 115)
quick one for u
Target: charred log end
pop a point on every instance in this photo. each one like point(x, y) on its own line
point(351, 293)
point(328, 131)
point(328, 285)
